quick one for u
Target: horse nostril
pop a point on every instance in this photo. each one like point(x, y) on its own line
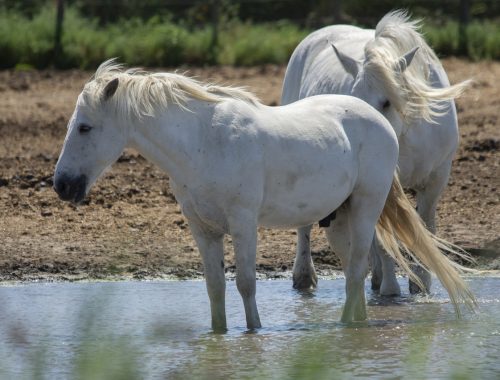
point(61, 188)
point(71, 188)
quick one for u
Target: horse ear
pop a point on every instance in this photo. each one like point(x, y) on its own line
point(110, 89)
point(406, 59)
point(350, 65)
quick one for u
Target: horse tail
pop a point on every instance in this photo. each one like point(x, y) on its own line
point(400, 226)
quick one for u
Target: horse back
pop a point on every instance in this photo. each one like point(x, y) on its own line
point(315, 152)
point(314, 58)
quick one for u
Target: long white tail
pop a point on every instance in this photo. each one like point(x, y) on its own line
point(400, 226)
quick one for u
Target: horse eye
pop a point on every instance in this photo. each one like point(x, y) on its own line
point(84, 128)
point(386, 105)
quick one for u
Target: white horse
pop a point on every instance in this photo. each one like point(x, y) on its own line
point(235, 164)
point(394, 70)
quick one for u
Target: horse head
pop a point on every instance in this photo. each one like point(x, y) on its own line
point(396, 74)
point(93, 141)
point(378, 83)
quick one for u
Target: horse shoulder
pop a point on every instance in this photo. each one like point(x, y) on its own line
point(426, 146)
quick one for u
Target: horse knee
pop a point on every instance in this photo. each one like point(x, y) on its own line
point(246, 284)
point(357, 268)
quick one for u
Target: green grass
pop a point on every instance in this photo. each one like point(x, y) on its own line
point(244, 44)
point(26, 41)
point(156, 42)
point(162, 42)
point(483, 39)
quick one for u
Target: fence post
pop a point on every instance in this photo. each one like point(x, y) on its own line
point(337, 11)
point(214, 43)
point(464, 18)
point(58, 33)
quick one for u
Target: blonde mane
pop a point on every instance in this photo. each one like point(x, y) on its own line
point(141, 93)
point(410, 91)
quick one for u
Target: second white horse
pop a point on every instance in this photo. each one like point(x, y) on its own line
point(393, 69)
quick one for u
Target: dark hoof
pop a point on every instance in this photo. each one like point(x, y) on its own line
point(305, 283)
point(415, 289)
point(376, 282)
point(390, 295)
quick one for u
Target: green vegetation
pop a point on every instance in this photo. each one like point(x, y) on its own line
point(155, 42)
point(483, 39)
point(159, 41)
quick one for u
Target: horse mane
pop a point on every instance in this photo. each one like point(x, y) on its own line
point(410, 91)
point(141, 93)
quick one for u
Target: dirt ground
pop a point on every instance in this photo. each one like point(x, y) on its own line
point(131, 226)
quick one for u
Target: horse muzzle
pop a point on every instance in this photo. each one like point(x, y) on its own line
point(70, 188)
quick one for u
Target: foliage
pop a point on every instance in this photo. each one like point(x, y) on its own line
point(161, 41)
point(483, 39)
point(155, 42)
point(242, 44)
point(26, 41)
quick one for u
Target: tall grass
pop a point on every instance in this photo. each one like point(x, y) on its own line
point(483, 39)
point(160, 41)
point(245, 44)
point(26, 41)
point(156, 42)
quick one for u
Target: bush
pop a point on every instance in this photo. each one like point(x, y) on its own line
point(483, 39)
point(156, 42)
point(243, 43)
point(26, 41)
point(160, 41)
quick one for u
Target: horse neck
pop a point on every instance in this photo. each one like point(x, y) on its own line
point(171, 137)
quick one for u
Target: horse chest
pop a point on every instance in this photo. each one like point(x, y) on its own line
point(423, 149)
point(201, 207)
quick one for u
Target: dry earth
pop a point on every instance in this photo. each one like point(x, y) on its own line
point(131, 225)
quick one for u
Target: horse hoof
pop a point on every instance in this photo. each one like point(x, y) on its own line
point(390, 291)
point(415, 289)
point(305, 282)
point(390, 295)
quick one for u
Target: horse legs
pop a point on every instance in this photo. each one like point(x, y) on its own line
point(212, 252)
point(376, 267)
point(427, 199)
point(385, 269)
point(243, 230)
point(338, 235)
point(363, 211)
point(352, 247)
point(304, 275)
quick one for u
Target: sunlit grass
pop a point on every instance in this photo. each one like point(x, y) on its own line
point(161, 41)
point(156, 42)
point(483, 39)
point(251, 44)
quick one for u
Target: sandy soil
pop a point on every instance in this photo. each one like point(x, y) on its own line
point(131, 225)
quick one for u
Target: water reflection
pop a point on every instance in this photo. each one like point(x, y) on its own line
point(162, 330)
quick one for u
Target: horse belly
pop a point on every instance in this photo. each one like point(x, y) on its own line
point(295, 201)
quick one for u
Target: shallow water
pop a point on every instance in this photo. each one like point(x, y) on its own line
point(162, 330)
